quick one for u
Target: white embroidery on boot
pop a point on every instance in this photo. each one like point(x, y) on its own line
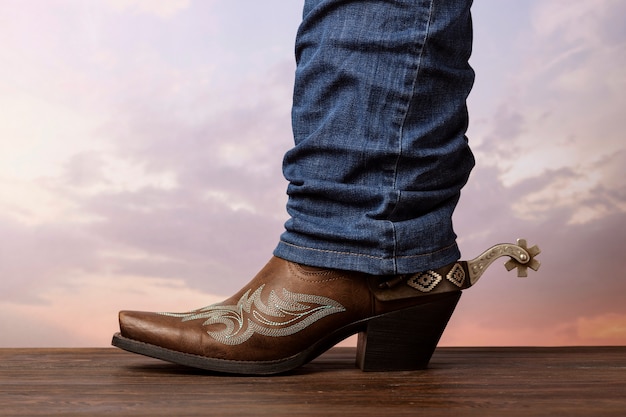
point(295, 315)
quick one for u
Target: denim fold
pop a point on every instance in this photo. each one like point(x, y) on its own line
point(379, 120)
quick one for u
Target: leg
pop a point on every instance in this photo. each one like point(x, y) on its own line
point(379, 120)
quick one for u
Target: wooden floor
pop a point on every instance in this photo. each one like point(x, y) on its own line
point(460, 382)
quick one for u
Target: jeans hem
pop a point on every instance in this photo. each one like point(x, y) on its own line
point(367, 263)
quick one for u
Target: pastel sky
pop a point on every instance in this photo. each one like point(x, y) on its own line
point(140, 163)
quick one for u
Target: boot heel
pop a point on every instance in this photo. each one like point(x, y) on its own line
point(405, 340)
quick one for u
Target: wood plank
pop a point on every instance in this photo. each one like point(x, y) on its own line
point(577, 381)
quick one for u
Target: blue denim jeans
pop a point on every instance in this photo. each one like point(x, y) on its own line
point(379, 121)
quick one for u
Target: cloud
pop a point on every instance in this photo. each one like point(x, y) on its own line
point(33, 257)
point(581, 274)
point(162, 172)
point(147, 175)
point(559, 115)
point(160, 8)
point(62, 321)
point(165, 193)
point(604, 329)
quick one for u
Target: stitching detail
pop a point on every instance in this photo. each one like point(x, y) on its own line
point(417, 68)
point(427, 254)
point(298, 272)
point(418, 72)
point(365, 255)
point(299, 269)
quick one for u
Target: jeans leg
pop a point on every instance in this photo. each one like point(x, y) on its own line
point(379, 121)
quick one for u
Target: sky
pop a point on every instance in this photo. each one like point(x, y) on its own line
point(141, 144)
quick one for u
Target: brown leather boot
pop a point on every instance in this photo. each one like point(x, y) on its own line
point(290, 313)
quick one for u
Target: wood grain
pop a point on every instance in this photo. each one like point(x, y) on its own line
point(576, 381)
